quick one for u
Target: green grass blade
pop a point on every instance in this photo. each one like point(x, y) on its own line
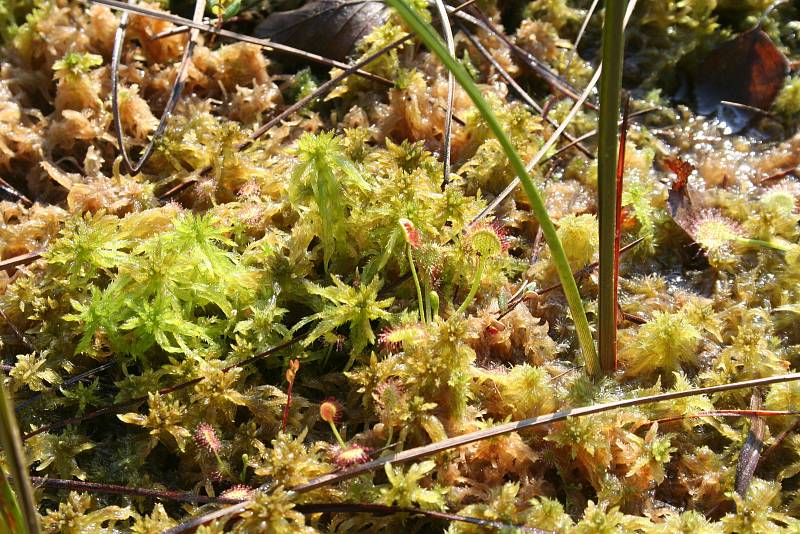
point(10, 512)
point(610, 88)
point(11, 441)
point(434, 43)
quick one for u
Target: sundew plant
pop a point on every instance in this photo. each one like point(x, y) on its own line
point(300, 315)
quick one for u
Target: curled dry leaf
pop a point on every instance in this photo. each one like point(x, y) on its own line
point(751, 450)
point(330, 28)
point(681, 208)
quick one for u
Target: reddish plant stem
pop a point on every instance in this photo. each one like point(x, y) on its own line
point(623, 135)
point(305, 508)
point(729, 413)
point(114, 489)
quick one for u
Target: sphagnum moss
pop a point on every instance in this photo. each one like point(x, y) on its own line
point(303, 235)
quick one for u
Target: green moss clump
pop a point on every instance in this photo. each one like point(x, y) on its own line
point(667, 341)
point(335, 238)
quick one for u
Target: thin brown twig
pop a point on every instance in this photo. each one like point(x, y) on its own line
point(114, 489)
point(175, 91)
point(67, 383)
point(305, 508)
point(458, 441)
point(116, 407)
point(746, 107)
point(14, 329)
point(13, 193)
point(384, 509)
point(183, 29)
point(322, 90)
point(177, 30)
point(263, 43)
point(487, 433)
point(548, 105)
point(22, 259)
point(518, 89)
point(729, 413)
point(635, 319)
point(577, 274)
point(592, 133)
point(780, 174)
point(541, 69)
point(780, 438)
point(499, 68)
point(579, 37)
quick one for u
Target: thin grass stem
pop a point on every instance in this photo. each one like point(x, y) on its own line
point(581, 31)
point(17, 465)
point(607, 152)
point(488, 433)
point(322, 90)
point(554, 137)
point(451, 89)
point(67, 383)
point(264, 43)
point(519, 90)
point(119, 406)
point(425, 451)
point(175, 91)
point(434, 43)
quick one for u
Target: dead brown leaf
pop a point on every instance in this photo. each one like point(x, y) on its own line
point(748, 70)
point(330, 28)
point(679, 200)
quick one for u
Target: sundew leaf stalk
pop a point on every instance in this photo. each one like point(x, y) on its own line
point(431, 39)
